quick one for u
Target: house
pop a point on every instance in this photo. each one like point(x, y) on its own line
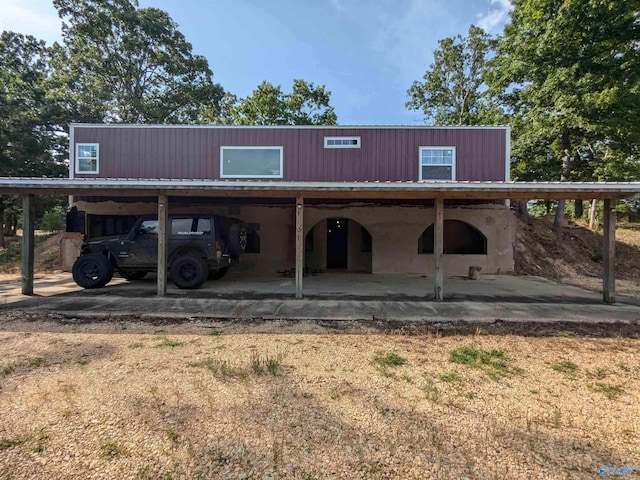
point(372, 233)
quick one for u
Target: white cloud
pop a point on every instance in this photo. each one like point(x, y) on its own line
point(494, 19)
point(33, 17)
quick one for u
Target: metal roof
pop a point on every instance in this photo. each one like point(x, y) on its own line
point(267, 188)
point(289, 127)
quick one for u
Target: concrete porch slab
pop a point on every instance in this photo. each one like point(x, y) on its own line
point(330, 296)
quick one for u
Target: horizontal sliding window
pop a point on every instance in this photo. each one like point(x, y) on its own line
point(251, 162)
point(437, 163)
point(341, 142)
point(87, 158)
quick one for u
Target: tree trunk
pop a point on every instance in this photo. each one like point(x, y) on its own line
point(565, 175)
point(3, 244)
point(520, 207)
point(579, 209)
point(592, 213)
point(557, 221)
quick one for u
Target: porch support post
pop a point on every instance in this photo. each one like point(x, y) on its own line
point(609, 249)
point(163, 220)
point(438, 248)
point(299, 245)
point(27, 244)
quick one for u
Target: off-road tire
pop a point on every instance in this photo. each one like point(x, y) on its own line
point(238, 237)
point(218, 274)
point(129, 275)
point(189, 272)
point(92, 271)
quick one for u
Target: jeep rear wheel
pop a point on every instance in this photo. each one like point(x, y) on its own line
point(189, 272)
point(92, 271)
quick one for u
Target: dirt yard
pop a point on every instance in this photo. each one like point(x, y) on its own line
point(124, 399)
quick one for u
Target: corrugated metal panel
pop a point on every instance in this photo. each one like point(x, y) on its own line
point(386, 154)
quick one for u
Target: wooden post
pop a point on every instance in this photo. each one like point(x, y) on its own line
point(27, 244)
point(163, 238)
point(609, 249)
point(438, 248)
point(299, 245)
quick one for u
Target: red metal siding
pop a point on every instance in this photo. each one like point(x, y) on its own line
point(385, 153)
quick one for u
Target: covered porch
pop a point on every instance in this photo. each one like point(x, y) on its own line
point(164, 190)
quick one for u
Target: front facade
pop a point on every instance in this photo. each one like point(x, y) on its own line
point(369, 235)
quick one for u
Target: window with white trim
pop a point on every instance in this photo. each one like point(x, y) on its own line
point(437, 163)
point(341, 142)
point(251, 162)
point(87, 158)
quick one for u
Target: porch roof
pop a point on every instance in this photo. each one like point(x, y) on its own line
point(121, 187)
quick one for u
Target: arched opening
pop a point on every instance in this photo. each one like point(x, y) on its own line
point(460, 238)
point(338, 244)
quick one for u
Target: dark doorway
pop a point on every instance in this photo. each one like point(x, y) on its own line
point(337, 242)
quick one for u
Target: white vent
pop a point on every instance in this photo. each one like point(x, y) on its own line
point(341, 142)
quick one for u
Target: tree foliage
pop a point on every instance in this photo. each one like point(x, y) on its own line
point(120, 63)
point(307, 104)
point(570, 69)
point(28, 135)
point(453, 91)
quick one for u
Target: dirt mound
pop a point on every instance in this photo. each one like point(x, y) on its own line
point(574, 252)
point(47, 254)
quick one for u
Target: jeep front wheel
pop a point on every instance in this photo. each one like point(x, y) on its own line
point(92, 271)
point(189, 272)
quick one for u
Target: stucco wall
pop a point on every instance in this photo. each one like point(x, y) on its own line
point(395, 231)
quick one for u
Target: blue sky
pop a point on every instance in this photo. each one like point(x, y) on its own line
point(366, 52)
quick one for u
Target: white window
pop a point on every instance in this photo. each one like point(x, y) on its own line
point(87, 158)
point(341, 142)
point(251, 162)
point(437, 163)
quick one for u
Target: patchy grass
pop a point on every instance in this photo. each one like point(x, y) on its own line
point(258, 365)
point(609, 391)
point(493, 362)
point(171, 435)
point(113, 449)
point(567, 367)
point(37, 362)
point(7, 443)
point(388, 360)
point(167, 342)
point(450, 377)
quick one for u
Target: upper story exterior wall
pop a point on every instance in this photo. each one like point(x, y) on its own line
point(193, 152)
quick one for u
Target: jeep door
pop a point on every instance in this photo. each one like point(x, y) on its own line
point(140, 250)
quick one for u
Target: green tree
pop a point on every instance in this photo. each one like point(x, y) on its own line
point(453, 91)
point(120, 63)
point(570, 69)
point(307, 104)
point(28, 135)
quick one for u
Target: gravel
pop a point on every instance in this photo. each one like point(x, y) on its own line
point(128, 399)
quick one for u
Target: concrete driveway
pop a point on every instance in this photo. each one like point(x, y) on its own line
point(331, 296)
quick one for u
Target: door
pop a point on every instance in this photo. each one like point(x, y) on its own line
point(337, 242)
point(141, 250)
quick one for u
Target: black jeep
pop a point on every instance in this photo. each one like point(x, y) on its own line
point(200, 247)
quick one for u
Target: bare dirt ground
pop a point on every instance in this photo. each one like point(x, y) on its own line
point(573, 256)
point(103, 398)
